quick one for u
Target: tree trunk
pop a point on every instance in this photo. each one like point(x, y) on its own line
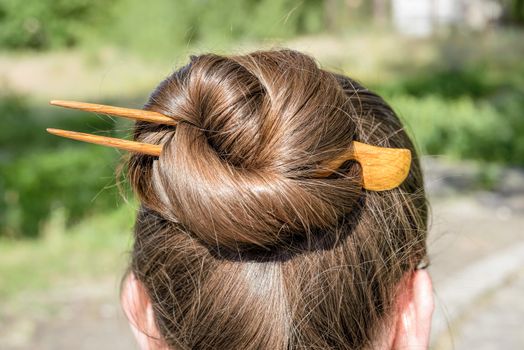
point(380, 12)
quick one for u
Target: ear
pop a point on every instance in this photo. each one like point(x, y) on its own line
point(413, 324)
point(139, 312)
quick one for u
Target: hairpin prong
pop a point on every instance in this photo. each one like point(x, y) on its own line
point(132, 146)
point(134, 114)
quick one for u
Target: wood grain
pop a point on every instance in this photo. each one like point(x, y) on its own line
point(134, 114)
point(383, 168)
point(132, 146)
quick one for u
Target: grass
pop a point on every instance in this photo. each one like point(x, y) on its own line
point(95, 247)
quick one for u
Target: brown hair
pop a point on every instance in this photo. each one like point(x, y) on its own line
point(237, 244)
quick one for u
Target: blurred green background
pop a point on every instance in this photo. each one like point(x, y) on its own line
point(455, 77)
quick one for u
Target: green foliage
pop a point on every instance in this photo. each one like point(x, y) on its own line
point(40, 172)
point(167, 26)
point(37, 183)
point(474, 112)
point(478, 81)
point(49, 23)
point(21, 124)
point(152, 26)
point(448, 84)
point(515, 10)
point(460, 127)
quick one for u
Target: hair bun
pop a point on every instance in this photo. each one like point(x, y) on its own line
point(237, 171)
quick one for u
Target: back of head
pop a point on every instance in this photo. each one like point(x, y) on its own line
point(238, 243)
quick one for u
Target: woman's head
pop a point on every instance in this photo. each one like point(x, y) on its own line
point(238, 244)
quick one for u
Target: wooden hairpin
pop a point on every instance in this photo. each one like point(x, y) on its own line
point(382, 168)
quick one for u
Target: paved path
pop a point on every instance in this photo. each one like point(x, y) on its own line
point(464, 299)
point(86, 316)
point(477, 250)
point(503, 311)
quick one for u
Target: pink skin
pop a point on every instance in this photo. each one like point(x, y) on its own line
point(413, 320)
point(139, 313)
point(411, 326)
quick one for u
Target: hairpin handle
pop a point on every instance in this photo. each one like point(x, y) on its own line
point(383, 168)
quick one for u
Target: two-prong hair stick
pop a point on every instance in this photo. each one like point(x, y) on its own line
point(382, 168)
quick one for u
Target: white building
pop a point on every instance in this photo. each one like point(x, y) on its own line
point(423, 17)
